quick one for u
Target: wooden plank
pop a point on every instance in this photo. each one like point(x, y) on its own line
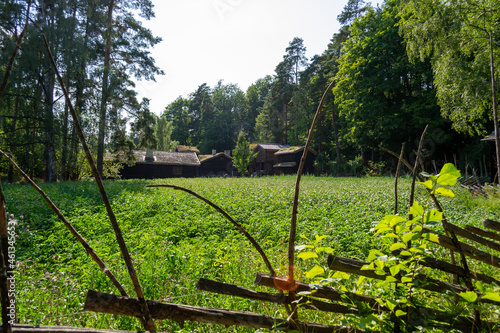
point(20, 328)
point(488, 234)
point(469, 251)
point(454, 269)
point(333, 294)
point(126, 306)
point(305, 302)
point(490, 224)
point(354, 266)
point(475, 238)
point(454, 321)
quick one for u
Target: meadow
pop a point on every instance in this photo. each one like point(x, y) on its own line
point(175, 239)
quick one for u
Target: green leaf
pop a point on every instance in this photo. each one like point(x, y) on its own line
point(307, 255)
point(390, 235)
point(374, 254)
point(319, 238)
point(428, 184)
point(408, 236)
point(400, 313)
point(395, 270)
point(445, 192)
point(324, 249)
point(416, 209)
point(390, 279)
point(492, 296)
point(395, 220)
point(397, 246)
point(450, 170)
point(390, 305)
point(431, 237)
point(341, 275)
point(469, 296)
point(368, 267)
point(315, 271)
point(360, 280)
point(303, 247)
point(406, 279)
point(433, 216)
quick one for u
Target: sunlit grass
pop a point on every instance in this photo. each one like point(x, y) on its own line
point(176, 239)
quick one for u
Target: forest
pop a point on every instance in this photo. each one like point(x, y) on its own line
point(398, 67)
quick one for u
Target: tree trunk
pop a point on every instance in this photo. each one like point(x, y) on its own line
point(105, 91)
point(495, 111)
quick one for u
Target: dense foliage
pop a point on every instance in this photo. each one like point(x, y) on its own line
point(398, 67)
point(176, 239)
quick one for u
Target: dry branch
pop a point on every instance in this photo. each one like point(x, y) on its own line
point(125, 306)
point(148, 323)
point(293, 222)
point(228, 217)
point(70, 227)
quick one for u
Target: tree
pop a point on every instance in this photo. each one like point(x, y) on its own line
point(177, 113)
point(163, 133)
point(256, 95)
point(379, 91)
point(353, 10)
point(126, 54)
point(464, 53)
point(242, 154)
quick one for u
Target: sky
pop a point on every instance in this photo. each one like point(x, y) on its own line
point(237, 41)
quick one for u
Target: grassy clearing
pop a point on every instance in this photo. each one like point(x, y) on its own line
point(176, 239)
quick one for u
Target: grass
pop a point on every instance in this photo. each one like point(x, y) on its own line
point(176, 239)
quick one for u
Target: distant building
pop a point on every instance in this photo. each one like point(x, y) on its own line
point(218, 165)
point(161, 164)
point(493, 159)
point(265, 159)
point(288, 161)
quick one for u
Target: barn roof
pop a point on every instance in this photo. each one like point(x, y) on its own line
point(204, 158)
point(271, 146)
point(183, 149)
point(490, 137)
point(293, 150)
point(169, 158)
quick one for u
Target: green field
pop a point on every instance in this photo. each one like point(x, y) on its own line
point(175, 239)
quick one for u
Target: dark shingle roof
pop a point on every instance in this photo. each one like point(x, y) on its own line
point(272, 146)
point(169, 158)
point(490, 137)
point(292, 150)
point(204, 158)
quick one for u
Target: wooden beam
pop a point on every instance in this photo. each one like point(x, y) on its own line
point(475, 238)
point(493, 225)
point(354, 266)
point(488, 234)
point(20, 328)
point(126, 306)
point(305, 302)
